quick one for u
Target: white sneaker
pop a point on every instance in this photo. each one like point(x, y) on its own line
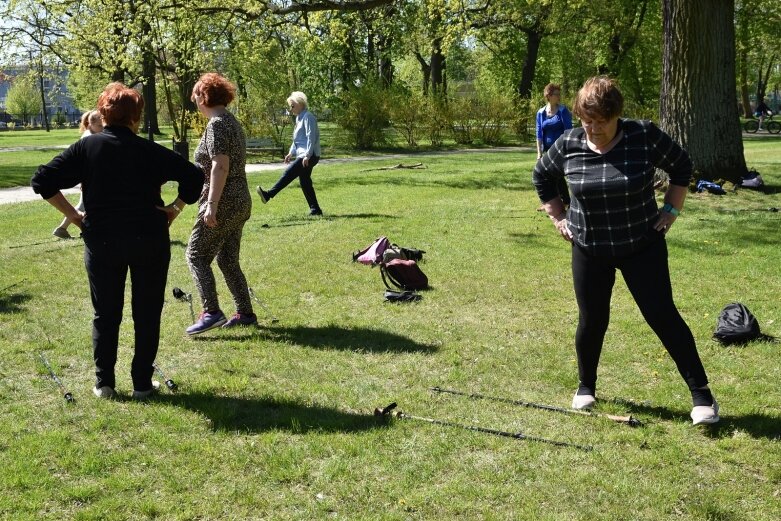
point(705, 414)
point(142, 395)
point(583, 401)
point(103, 392)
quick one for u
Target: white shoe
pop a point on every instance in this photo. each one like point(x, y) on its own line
point(142, 395)
point(705, 414)
point(103, 392)
point(583, 401)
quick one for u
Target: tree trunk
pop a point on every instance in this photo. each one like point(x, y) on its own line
point(743, 80)
point(425, 71)
point(697, 101)
point(533, 39)
point(437, 67)
point(151, 125)
point(44, 109)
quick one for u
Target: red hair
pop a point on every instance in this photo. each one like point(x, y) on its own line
point(215, 89)
point(120, 105)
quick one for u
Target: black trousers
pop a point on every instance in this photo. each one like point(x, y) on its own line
point(297, 169)
point(108, 260)
point(648, 278)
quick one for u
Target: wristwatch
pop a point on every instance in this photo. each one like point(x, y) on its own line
point(670, 209)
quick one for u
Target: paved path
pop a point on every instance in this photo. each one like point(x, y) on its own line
point(25, 193)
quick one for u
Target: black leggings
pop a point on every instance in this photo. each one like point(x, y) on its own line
point(648, 278)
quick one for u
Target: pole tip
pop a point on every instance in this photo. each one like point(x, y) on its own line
point(385, 411)
point(69, 398)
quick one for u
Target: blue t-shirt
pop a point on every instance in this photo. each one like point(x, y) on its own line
point(549, 129)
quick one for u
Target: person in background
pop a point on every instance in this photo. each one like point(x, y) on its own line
point(124, 226)
point(614, 224)
point(304, 152)
point(224, 207)
point(91, 123)
point(761, 112)
point(552, 120)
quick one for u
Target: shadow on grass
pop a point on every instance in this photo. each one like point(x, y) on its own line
point(331, 337)
point(327, 217)
point(231, 414)
point(484, 182)
point(12, 302)
point(756, 425)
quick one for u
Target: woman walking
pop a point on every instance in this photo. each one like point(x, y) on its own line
point(614, 224)
point(124, 226)
point(91, 123)
point(225, 205)
point(304, 152)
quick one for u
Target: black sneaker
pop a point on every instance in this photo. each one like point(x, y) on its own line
point(316, 211)
point(263, 195)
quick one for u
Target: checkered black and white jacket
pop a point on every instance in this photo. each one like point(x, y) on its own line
point(613, 207)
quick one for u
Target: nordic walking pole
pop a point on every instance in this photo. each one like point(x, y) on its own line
point(388, 410)
point(12, 285)
point(66, 394)
point(168, 382)
point(185, 297)
point(627, 420)
point(265, 308)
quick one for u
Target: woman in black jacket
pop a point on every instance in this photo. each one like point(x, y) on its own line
point(124, 226)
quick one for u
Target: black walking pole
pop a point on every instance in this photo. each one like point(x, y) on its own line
point(388, 410)
point(168, 382)
point(263, 305)
point(627, 420)
point(12, 285)
point(66, 394)
point(185, 297)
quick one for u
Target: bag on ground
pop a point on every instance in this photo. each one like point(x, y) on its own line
point(372, 254)
point(403, 274)
point(736, 325)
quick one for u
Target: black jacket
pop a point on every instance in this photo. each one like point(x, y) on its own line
point(121, 176)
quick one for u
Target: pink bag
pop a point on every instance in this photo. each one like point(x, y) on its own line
point(372, 254)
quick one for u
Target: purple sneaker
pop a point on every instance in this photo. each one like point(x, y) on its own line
point(206, 321)
point(241, 319)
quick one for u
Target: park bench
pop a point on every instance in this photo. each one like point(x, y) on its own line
point(265, 146)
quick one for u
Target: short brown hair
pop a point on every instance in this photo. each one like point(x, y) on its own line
point(120, 105)
point(550, 87)
point(215, 89)
point(599, 97)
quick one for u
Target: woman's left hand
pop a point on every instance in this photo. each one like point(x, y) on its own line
point(210, 215)
point(171, 212)
point(664, 222)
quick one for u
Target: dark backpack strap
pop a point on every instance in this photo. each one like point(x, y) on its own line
point(386, 277)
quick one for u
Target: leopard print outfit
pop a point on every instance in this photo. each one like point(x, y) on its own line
point(223, 135)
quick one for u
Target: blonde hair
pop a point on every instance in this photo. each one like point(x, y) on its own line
point(91, 116)
point(299, 98)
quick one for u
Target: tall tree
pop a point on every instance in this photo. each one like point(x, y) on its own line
point(698, 106)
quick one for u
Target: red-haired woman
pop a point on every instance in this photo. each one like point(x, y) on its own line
point(124, 226)
point(225, 205)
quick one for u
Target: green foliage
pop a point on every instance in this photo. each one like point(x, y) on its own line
point(23, 99)
point(407, 112)
point(363, 114)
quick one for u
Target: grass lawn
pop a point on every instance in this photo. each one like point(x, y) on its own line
point(275, 423)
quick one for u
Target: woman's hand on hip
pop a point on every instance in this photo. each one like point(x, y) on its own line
point(664, 222)
point(562, 225)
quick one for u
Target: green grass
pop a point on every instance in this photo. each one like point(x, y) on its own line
point(275, 423)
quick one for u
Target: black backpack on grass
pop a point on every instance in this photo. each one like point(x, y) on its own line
point(736, 325)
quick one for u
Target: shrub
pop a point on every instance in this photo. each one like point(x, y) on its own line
point(407, 112)
point(363, 114)
point(437, 121)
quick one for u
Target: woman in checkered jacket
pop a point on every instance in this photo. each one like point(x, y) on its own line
point(614, 223)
